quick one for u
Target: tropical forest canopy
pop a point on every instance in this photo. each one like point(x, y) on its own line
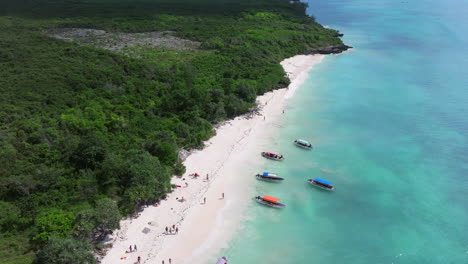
point(90, 134)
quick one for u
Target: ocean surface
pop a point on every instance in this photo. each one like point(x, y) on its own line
point(389, 123)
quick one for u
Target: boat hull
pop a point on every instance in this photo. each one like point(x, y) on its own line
point(320, 186)
point(277, 205)
point(269, 179)
point(271, 158)
point(302, 146)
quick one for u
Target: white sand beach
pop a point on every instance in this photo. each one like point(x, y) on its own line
point(231, 159)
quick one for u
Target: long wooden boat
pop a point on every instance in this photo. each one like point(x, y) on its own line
point(303, 144)
point(270, 201)
point(266, 176)
point(322, 184)
point(272, 155)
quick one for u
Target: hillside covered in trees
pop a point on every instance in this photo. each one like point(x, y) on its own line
point(89, 134)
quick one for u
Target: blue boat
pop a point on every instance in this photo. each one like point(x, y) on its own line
point(267, 176)
point(322, 184)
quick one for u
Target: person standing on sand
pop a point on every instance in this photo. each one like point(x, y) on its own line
point(204, 200)
point(135, 248)
point(163, 262)
point(166, 229)
point(176, 230)
point(139, 259)
point(207, 178)
point(170, 260)
point(130, 248)
point(222, 195)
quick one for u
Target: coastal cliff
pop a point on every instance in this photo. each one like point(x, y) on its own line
point(334, 49)
point(99, 97)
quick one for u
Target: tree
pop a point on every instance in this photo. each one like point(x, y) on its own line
point(165, 151)
point(107, 216)
point(65, 251)
point(94, 224)
point(84, 225)
point(89, 154)
point(246, 91)
point(10, 218)
point(139, 174)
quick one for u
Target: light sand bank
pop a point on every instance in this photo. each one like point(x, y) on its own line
point(231, 159)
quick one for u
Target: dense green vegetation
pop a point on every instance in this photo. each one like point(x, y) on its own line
point(88, 135)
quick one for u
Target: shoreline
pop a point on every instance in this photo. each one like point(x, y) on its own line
point(229, 158)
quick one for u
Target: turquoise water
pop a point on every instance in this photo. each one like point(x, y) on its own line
point(389, 121)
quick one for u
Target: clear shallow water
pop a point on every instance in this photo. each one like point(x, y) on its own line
point(389, 121)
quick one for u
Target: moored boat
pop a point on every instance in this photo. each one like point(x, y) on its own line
point(266, 176)
point(272, 155)
point(270, 201)
point(222, 260)
point(322, 184)
point(303, 144)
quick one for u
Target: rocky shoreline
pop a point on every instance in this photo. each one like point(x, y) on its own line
point(335, 49)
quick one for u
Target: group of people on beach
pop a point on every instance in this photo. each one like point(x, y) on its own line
point(196, 175)
point(172, 230)
point(131, 249)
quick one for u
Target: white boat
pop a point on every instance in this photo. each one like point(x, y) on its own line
point(303, 144)
point(272, 155)
point(267, 176)
point(322, 184)
point(222, 260)
point(270, 201)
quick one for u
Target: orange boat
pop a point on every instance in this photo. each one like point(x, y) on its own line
point(270, 201)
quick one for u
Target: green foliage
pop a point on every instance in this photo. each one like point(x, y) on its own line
point(14, 248)
point(93, 224)
point(84, 224)
point(65, 251)
point(81, 127)
point(179, 168)
point(53, 222)
point(107, 215)
point(142, 174)
point(10, 218)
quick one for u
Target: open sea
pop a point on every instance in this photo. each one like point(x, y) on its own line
point(389, 125)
